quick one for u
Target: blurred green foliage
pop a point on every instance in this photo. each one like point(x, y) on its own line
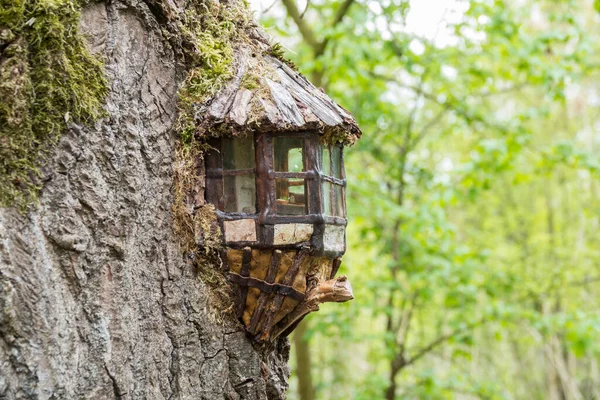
point(474, 207)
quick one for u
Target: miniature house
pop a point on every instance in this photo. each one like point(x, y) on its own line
point(275, 175)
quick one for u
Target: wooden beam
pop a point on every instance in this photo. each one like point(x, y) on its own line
point(288, 279)
point(262, 300)
point(245, 271)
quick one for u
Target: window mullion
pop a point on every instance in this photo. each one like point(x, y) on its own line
point(293, 175)
point(237, 172)
point(332, 184)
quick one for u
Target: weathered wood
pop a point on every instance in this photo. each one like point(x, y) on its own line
point(239, 109)
point(243, 290)
point(336, 290)
point(220, 107)
point(285, 104)
point(335, 266)
point(320, 108)
point(265, 287)
point(278, 299)
point(317, 92)
point(270, 278)
point(271, 114)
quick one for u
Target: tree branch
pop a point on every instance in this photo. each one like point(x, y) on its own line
point(405, 323)
point(339, 16)
point(440, 340)
point(444, 104)
point(427, 127)
point(307, 33)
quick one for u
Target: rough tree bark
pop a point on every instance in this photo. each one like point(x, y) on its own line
point(96, 298)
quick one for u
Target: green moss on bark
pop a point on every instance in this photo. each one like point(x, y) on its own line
point(210, 32)
point(47, 78)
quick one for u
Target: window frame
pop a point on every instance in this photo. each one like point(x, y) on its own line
point(265, 178)
point(215, 174)
point(333, 181)
point(308, 174)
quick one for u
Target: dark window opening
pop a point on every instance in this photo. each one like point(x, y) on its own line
point(231, 170)
point(288, 154)
point(291, 193)
point(291, 196)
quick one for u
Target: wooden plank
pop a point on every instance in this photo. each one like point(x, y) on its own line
point(303, 82)
point(324, 111)
point(239, 109)
point(275, 305)
point(220, 106)
point(245, 271)
point(271, 112)
point(270, 278)
point(285, 104)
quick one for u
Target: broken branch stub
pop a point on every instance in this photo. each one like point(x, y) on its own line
point(336, 290)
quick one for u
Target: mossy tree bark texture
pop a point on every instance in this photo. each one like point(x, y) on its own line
point(97, 299)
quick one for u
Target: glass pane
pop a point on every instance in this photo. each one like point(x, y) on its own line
point(288, 154)
point(290, 196)
point(338, 200)
point(325, 161)
point(336, 156)
point(326, 198)
point(240, 194)
point(238, 153)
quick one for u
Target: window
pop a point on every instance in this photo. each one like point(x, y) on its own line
point(296, 177)
point(231, 170)
point(291, 192)
point(332, 181)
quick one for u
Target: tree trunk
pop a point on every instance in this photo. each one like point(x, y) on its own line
point(97, 300)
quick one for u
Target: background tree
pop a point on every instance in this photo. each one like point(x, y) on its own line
point(473, 198)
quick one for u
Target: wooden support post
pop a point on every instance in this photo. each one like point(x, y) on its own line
point(270, 278)
point(335, 267)
point(245, 271)
point(288, 279)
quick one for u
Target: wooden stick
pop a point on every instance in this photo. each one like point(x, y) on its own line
point(278, 299)
point(245, 271)
point(335, 267)
point(270, 278)
point(336, 290)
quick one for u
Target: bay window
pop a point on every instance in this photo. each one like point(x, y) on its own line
point(278, 179)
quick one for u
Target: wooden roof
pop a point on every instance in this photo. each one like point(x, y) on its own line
point(267, 95)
